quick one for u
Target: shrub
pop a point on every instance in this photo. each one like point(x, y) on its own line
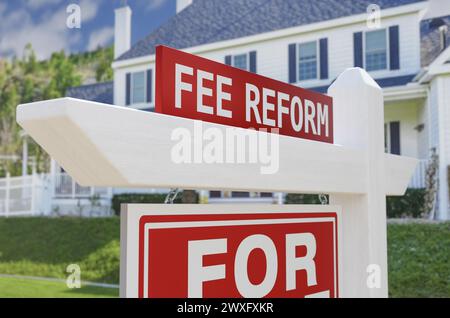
point(296, 198)
point(118, 199)
point(409, 205)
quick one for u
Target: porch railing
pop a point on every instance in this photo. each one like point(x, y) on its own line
point(66, 187)
point(418, 179)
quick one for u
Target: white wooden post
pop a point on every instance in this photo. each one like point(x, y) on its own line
point(7, 193)
point(358, 124)
point(25, 155)
point(33, 191)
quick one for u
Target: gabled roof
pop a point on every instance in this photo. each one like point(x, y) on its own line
point(430, 38)
point(208, 21)
point(100, 92)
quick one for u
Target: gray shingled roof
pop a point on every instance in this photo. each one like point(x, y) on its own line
point(100, 92)
point(383, 82)
point(430, 38)
point(207, 21)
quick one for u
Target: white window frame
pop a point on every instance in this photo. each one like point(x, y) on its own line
point(297, 63)
point(388, 57)
point(387, 137)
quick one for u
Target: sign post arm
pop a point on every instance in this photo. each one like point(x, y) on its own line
point(358, 119)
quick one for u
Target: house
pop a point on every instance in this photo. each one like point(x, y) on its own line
point(403, 46)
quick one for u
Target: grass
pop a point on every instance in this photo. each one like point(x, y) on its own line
point(46, 246)
point(419, 260)
point(29, 288)
point(418, 256)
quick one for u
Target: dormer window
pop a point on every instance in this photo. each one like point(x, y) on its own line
point(376, 50)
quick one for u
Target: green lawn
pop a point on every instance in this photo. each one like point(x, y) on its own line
point(419, 260)
point(418, 256)
point(18, 287)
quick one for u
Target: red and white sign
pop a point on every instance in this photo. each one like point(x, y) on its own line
point(210, 251)
point(194, 87)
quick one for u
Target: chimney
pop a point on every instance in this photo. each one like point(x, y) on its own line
point(182, 4)
point(122, 30)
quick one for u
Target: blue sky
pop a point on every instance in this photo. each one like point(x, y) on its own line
point(43, 24)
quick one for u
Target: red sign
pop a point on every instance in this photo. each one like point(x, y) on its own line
point(194, 87)
point(238, 255)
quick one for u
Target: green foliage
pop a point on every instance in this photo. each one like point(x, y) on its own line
point(418, 254)
point(118, 199)
point(27, 80)
point(295, 198)
point(409, 205)
point(419, 260)
point(46, 246)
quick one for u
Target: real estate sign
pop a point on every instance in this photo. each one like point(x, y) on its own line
point(194, 87)
point(230, 251)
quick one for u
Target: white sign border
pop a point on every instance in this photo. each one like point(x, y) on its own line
point(131, 214)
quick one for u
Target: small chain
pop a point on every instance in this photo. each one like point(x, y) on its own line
point(323, 199)
point(172, 195)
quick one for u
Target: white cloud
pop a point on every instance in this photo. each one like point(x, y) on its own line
point(154, 4)
point(37, 4)
point(100, 38)
point(47, 34)
point(89, 9)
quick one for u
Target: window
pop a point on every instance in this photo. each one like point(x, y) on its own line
point(240, 61)
point(138, 88)
point(376, 50)
point(392, 137)
point(307, 61)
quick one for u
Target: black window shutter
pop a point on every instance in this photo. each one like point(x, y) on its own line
point(292, 63)
point(149, 86)
point(323, 44)
point(252, 64)
point(128, 89)
point(228, 60)
point(394, 48)
point(394, 129)
point(357, 49)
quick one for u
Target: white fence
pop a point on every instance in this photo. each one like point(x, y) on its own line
point(44, 194)
point(20, 195)
point(66, 187)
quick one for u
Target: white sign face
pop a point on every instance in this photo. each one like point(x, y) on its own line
point(225, 251)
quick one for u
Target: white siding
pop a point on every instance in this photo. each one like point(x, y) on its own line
point(407, 113)
point(272, 55)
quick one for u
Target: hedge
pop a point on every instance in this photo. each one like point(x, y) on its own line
point(118, 199)
point(409, 205)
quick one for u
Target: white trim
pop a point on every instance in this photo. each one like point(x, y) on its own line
point(440, 65)
point(404, 92)
point(353, 19)
point(191, 224)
